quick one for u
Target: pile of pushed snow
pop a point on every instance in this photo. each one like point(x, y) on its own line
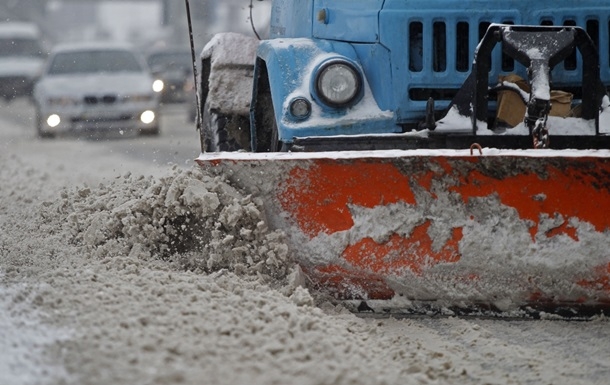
point(188, 217)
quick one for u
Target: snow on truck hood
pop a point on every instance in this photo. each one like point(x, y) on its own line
point(125, 83)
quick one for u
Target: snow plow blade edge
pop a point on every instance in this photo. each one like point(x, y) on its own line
point(505, 230)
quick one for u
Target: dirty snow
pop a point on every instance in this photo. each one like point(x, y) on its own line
point(454, 122)
point(172, 276)
point(231, 55)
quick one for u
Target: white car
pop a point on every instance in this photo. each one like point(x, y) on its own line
point(94, 87)
point(21, 58)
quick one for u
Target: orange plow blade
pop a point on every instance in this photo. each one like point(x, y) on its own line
point(506, 230)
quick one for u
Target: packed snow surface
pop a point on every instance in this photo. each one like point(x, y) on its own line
point(161, 275)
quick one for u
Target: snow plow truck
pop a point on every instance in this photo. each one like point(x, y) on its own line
point(425, 155)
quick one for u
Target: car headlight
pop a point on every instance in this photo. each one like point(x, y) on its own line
point(158, 85)
point(338, 83)
point(53, 120)
point(147, 117)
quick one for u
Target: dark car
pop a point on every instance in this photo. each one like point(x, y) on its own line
point(21, 58)
point(175, 69)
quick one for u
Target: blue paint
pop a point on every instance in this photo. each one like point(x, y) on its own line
point(393, 43)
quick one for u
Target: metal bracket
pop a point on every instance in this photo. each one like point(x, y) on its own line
point(539, 48)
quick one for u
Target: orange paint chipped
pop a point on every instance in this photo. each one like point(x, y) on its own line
point(571, 192)
point(602, 282)
point(536, 297)
point(414, 252)
point(425, 179)
point(564, 228)
point(318, 196)
point(349, 283)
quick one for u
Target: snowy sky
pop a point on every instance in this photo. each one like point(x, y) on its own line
point(123, 18)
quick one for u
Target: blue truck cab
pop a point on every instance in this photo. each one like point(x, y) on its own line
point(373, 74)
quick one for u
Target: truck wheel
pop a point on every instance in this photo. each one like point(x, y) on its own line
point(266, 127)
point(224, 132)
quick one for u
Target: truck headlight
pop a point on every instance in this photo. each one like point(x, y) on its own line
point(338, 84)
point(300, 108)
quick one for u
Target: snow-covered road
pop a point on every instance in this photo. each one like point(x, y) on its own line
point(108, 276)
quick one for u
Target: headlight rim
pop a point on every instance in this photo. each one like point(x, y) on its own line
point(317, 78)
point(293, 102)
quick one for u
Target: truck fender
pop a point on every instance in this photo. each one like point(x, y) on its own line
point(283, 70)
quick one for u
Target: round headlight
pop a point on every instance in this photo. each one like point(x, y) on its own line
point(53, 120)
point(300, 108)
point(338, 84)
point(147, 117)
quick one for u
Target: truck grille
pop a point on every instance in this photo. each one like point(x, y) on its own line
point(450, 46)
point(440, 57)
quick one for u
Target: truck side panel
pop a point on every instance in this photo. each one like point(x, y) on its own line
point(348, 20)
point(290, 18)
point(290, 65)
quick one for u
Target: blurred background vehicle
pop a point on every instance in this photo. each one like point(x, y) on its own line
point(21, 58)
point(93, 87)
point(173, 67)
point(148, 25)
point(191, 99)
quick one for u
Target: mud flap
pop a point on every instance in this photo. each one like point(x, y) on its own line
point(506, 229)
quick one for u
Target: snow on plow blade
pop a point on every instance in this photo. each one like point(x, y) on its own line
point(503, 230)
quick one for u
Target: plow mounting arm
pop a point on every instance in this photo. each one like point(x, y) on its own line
point(539, 48)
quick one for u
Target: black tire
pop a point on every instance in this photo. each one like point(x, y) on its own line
point(224, 132)
point(267, 137)
point(265, 125)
